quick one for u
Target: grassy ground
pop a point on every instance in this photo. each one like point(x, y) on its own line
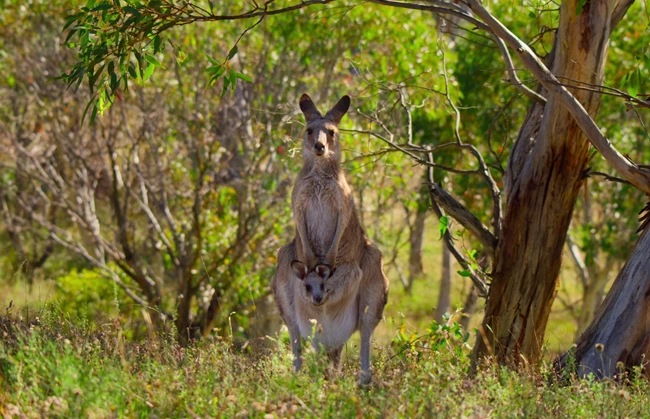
point(56, 364)
point(50, 369)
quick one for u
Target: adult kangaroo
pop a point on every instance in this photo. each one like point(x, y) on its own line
point(330, 246)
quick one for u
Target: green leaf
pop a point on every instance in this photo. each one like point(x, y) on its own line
point(69, 21)
point(153, 61)
point(233, 82)
point(157, 42)
point(149, 71)
point(580, 6)
point(67, 38)
point(464, 273)
point(532, 15)
point(226, 83)
point(212, 60)
point(232, 52)
point(242, 76)
point(443, 225)
point(132, 71)
point(132, 10)
point(93, 115)
point(155, 4)
point(102, 6)
point(93, 77)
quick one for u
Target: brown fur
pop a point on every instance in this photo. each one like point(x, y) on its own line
point(328, 232)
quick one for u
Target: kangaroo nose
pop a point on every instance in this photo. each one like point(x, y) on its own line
point(319, 146)
point(318, 298)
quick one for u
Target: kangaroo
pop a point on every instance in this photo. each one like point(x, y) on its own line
point(328, 233)
point(335, 322)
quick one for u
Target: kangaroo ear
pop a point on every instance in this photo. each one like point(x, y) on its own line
point(323, 271)
point(299, 269)
point(308, 108)
point(336, 113)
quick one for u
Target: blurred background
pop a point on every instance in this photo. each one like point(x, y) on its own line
point(168, 211)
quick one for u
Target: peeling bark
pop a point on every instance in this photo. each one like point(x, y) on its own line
point(620, 331)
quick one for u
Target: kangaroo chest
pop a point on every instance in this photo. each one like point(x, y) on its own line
point(322, 203)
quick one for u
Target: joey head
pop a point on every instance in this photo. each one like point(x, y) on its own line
point(314, 283)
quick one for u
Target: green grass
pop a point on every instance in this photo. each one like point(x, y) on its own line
point(68, 364)
point(52, 369)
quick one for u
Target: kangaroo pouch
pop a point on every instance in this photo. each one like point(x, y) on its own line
point(334, 325)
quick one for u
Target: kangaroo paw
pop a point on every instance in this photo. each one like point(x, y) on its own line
point(364, 378)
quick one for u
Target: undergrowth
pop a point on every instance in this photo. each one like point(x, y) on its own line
point(51, 369)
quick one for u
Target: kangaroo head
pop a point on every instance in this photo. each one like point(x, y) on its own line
point(313, 287)
point(322, 133)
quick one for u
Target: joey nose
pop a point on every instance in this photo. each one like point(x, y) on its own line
point(319, 147)
point(318, 299)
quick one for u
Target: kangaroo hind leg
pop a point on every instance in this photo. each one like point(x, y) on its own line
point(373, 296)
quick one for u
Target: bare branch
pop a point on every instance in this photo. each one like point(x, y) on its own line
point(514, 79)
point(479, 283)
point(441, 7)
point(465, 218)
point(577, 259)
point(607, 177)
point(483, 170)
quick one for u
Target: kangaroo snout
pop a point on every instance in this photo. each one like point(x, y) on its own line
point(320, 148)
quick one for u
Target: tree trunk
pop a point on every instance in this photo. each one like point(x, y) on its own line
point(469, 307)
point(544, 180)
point(184, 303)
point(620, 331)
point(415, 255)
point(445, 286)
point(592, 295)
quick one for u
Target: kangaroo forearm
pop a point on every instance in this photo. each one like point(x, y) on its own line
point(304, 240)
point(345, 281)
point(332, 252)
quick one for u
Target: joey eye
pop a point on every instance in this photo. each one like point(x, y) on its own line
point(310, 131)
point(330, 132)
point(322, 287)
point(308, 288)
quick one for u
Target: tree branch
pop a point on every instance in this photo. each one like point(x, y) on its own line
point(580, 264)
point(639, 177)
point(465, 218)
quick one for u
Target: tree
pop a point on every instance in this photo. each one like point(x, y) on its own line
point(546, 166)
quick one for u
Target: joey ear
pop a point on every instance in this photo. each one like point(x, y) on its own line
point(308, 108)
point(299, 269)
point(336, 113)
point(323, 271)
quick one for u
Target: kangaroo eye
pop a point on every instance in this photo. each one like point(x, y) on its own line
point(308, 288)
point(322, 287)
point(310, 131)
point(330, 132)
